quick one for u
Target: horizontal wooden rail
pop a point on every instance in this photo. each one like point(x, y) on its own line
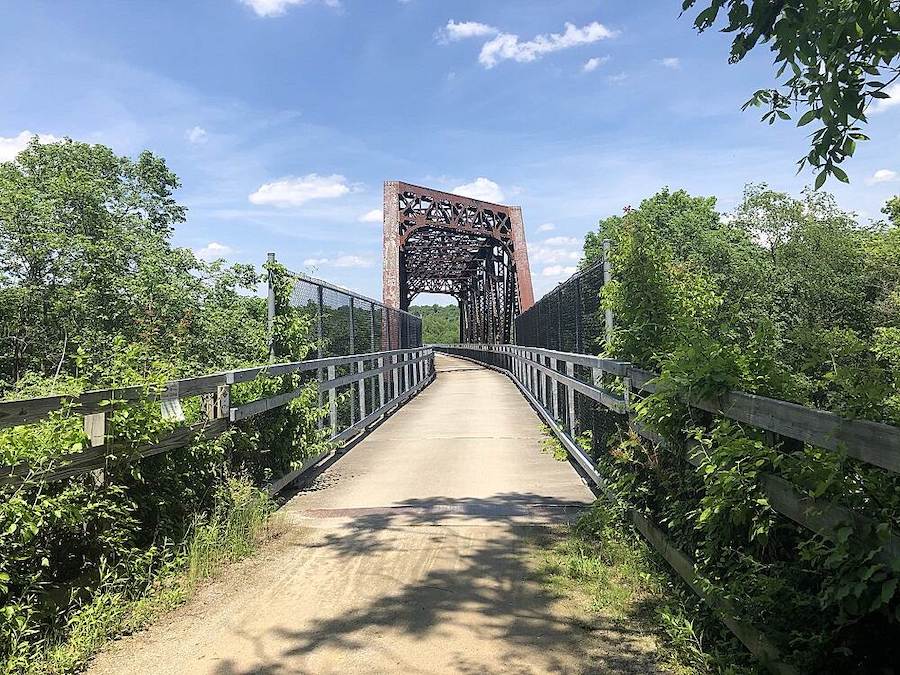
point(27, 411)
point(412, 370)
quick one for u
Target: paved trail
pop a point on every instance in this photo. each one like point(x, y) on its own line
point(410, 554)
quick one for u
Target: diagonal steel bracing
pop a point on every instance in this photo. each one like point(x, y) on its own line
point(436, 242)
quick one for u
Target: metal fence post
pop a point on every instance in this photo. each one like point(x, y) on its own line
point(332, 402)
point(270, 306)
point(607, 277)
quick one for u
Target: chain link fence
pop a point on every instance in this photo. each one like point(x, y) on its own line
point(569, 318)
point(347, 323)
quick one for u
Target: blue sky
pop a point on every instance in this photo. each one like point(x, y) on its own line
point(283, 118)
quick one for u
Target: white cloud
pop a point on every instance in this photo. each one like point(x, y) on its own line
point(196, 135)
point(672, 62)
point(556, 250)
point(882, 104)
point(546, 227)
point(619, 77)
point(455, 31)
point(12, 145)
point(271, 8)
point(507, 46)
point(883, 176)
point(339, 261)
point(482, 189)
point(558, 271)
point(373, 216)
point(352, 261)
point(297, 190)
point(592, 64)
point(213, 251)
point(562, 241)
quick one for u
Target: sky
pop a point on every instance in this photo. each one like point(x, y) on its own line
point(283, 118)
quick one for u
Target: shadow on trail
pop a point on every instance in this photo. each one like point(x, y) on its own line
point(492, 589)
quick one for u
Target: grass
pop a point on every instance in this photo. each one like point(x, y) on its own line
point(601, 563)
point(242, 519)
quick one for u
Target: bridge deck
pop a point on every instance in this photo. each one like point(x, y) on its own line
point(411, 554)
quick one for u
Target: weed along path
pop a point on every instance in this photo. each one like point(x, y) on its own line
point(412, 553)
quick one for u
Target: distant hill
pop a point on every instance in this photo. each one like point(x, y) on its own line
point(440, 325)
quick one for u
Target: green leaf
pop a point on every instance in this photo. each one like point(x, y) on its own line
point(820, 179)
point(808, 117)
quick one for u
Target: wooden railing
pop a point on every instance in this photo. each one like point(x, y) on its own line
point(394, 377)
point(550, 382)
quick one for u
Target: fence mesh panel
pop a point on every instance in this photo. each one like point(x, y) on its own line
point(569, 318)
point(368, 327)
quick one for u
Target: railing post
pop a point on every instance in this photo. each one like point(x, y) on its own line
point(570, 399)
point(95, 430)
point(361, 368)
point(381, 400)
point(332, 402)
point(554, 389)
point(395, 376)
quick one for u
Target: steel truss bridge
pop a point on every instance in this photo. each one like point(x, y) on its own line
point(437, 242)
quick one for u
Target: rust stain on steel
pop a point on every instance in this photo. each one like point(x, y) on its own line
point(437, 242)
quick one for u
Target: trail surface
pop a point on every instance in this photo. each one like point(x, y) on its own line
point(409, 554)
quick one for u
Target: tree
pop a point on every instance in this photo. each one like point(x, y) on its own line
point(86, 258)
point(440, 325)
point(892, 210)
point(839, 55)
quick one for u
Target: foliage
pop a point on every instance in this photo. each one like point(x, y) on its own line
point(788, 298)
point(85, 256)
point(440, 324)
point(839, 57)
point(94, 295)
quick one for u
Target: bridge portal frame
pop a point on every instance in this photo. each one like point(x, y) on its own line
point(438, 242)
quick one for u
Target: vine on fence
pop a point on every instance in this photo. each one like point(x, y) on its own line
point(789, 299)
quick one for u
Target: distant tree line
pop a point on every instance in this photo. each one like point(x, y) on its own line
point(440, 324)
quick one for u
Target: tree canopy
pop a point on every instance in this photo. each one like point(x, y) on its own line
point(838, 57)
point(86, 259)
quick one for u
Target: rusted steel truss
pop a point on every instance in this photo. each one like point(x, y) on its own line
point(436, 242)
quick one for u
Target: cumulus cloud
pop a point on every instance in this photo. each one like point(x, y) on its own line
point(546, 227)
point(297, 190)
point(455, 31)
point(672, 62)
point(883, 176)
point(562, 241)
point(592, 64)
point(882, 104)
point(269, 8)
point(555, 251)
point(373, 216)
point(213, 251)
point(338, 261)
point(482, 189)
point(196, 135)
point(506, 46)
point(10, 146)
point(559, 271)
